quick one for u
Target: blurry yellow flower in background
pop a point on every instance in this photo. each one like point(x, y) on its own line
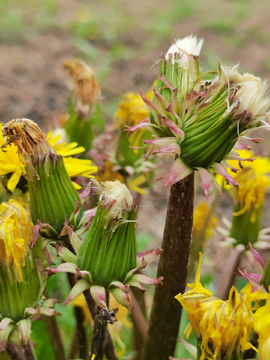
point(15, 235)
point(254, 179)
point(134, 183)
point(11, 163)
point(201, 214)
point(132, 110)
point(262, 327)
point(108, 173)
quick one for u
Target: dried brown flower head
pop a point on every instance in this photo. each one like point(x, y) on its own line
point(86, 86)
point(27, 136)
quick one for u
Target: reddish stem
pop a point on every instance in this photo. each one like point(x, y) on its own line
point(173, 265)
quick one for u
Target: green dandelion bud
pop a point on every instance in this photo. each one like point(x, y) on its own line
point(200, 121)
point(109, 251)
point(106, 259)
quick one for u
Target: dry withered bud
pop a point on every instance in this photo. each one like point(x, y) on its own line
point(29, 139)
point(87, 90)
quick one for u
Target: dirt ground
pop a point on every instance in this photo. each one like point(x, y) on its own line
point(33, 84)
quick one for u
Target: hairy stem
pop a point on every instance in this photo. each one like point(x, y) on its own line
point(99, 337)
point(28, 351)
point(14, 352)
point(110, 351)
point(173, 266)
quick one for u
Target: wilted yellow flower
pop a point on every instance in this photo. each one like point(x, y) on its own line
point(201, 214)
point(222, 327)
point(191, 299)
point(262, 327)
point(10, 161)
point(15, 234)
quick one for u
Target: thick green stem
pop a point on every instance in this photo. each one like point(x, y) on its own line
point(243, 229)
point(173, 265)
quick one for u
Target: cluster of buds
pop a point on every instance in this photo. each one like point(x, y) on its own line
point(107, 259)
point(200, 121)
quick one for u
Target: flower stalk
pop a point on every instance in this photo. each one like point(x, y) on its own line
point(173, 265)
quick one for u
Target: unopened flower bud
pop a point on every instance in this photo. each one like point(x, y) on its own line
point(200, 121)
point(107, 259)
point(108, 251)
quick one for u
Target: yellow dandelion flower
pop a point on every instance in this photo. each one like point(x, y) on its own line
point(15, 234)
point(132, 109)
point(201, 213)
point(222, 327)
point(262, 326)
point(10, 161)
point(191, 299)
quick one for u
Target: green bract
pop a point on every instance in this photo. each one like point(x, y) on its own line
point(106, 259)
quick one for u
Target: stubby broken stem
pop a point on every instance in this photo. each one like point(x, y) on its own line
point(173, 265)
point(110, 350)
point(28, 351)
